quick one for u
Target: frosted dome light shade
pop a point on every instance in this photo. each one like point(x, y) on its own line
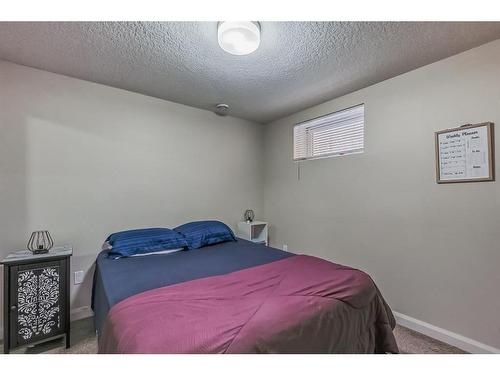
point(238, 38)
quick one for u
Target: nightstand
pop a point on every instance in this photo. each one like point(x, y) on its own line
point(36, 297)
point(255, 231)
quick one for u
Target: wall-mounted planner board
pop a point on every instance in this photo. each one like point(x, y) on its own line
point(465, 154)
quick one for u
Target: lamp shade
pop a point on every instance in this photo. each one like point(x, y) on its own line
point(249, 216)
point(40, 242)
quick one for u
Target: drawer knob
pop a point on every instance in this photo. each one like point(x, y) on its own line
point(13, 308)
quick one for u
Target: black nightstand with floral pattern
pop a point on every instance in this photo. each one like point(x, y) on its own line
point(36, 297)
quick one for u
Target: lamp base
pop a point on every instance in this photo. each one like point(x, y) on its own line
point(40, 251)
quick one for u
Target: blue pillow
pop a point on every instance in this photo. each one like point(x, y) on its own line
point(142, 241)
point(204, 233)
point(135, 233)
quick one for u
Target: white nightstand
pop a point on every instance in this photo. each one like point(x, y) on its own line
point(255, 231)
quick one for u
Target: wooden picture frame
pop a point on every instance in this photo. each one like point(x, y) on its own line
point(454, 154)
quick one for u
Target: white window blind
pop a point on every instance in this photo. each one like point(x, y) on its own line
point(335, 134)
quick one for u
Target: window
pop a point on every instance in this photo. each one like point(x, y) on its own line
point(335, 134)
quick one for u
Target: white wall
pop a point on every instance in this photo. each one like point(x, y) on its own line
point(434, 250)
point(83, 160)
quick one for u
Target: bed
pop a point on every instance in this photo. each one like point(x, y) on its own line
point(237, 297)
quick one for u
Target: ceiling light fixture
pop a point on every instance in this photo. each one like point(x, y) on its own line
point(238, 38)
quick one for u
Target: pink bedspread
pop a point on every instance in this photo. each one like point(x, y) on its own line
point(300, 304)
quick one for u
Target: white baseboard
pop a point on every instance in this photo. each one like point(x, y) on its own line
point(451, 338)
point(81, 313)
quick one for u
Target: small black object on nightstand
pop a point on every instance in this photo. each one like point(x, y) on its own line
point(36, 297)
point(40, 242)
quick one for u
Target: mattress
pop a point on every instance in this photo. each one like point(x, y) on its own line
point(117, 279)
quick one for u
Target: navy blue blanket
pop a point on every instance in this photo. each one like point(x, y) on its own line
point(117, 279)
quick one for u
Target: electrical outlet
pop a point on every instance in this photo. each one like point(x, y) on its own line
point(285, 247)
point(78, 277)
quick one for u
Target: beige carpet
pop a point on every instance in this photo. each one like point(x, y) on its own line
point(411, 342)
point(84, 342)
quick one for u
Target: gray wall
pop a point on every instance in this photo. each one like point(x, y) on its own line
point(84, 160)
point(434, 250)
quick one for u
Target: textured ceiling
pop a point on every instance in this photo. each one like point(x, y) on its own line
point(298, 64)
